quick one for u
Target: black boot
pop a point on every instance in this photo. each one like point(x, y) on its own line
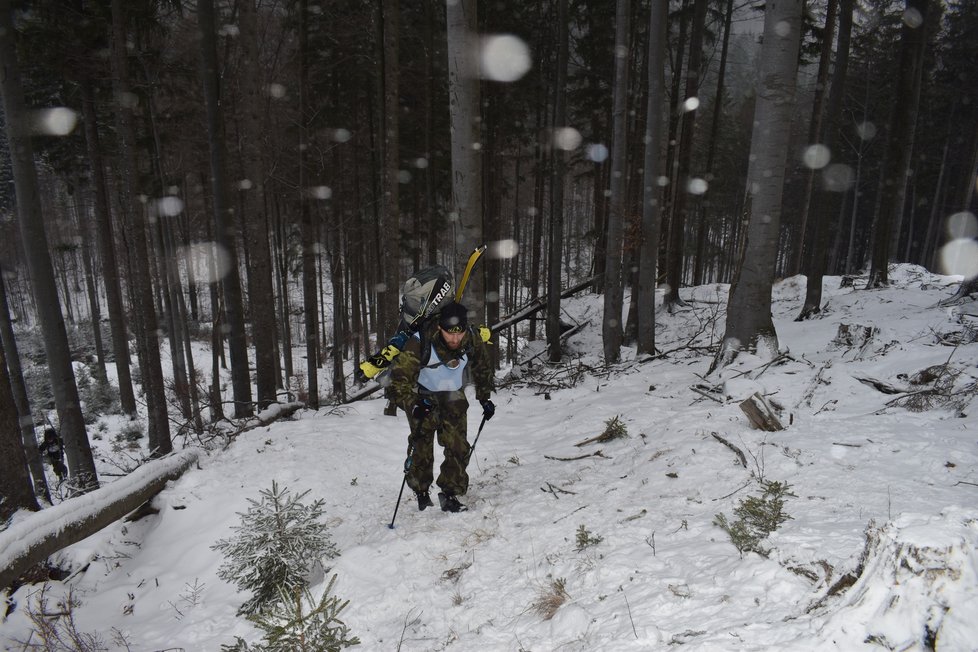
point(424, 500)
point(449, 503)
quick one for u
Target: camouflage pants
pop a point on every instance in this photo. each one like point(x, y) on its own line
point(448, 421)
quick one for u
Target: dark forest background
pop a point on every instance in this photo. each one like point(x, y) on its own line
point(262, 176)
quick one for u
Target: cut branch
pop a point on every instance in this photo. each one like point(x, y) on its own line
point(739, 453)
point(706, 393)
point(596, 453)
point(554, 489)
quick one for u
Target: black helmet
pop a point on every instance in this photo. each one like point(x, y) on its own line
point(454, 318)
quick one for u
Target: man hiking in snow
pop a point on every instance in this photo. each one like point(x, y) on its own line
point(428, 383)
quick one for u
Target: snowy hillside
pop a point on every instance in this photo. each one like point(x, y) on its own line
point(613, 545)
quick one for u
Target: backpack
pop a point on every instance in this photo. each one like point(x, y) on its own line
point(421, 296)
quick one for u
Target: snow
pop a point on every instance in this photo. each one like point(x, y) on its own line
point(882, 494)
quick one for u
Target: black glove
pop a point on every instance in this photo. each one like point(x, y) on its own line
point(421, 409)
point(488, 409)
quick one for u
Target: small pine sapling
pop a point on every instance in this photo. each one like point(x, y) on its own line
point(757, 517)
point(279, 542)
point(98, 394)
point(614, 428)
point(585, 539)
point(298, 623)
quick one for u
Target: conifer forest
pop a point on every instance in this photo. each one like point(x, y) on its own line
point(260, 178)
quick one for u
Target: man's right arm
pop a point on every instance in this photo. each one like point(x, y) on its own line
point(404, 376)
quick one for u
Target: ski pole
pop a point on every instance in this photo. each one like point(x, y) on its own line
point(476, 440)
point(407, 467)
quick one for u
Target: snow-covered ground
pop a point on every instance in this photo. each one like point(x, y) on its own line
point(882, 494)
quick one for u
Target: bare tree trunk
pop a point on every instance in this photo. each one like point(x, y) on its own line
point(935, 220)
point(612, 332)
point(431, 217)
point(539, 183)
point(900, 141)
point(971, 174)
point(15, 479)
point(556, 240)
point(141, 285)
point(181, 321)
point(310, 233)
point(95, 311)
point(169, 278)
point(390, 227)
point(749, 325)
point(706, 218)
point(193, 289)
point(815, 130)
point(59, 266)
point(964, 202)
point(340, 309)
point(20, 399)
point(672, 161)
point(464, 107)
point(260, 293)
point(223, 222)
point(170, 287)
point(285, 318)
point(651, 195)
point(30, 219)
point(217, 327)
point(684, 155)
point(824, 204)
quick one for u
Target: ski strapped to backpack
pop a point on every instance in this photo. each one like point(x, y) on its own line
point(473, 259)
point(421, 296)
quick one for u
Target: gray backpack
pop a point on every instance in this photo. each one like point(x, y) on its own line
point(423, 294)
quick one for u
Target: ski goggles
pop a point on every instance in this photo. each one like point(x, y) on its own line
point(454, 329)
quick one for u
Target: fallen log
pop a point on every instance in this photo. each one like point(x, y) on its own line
point(31, 540)
point(270, 414)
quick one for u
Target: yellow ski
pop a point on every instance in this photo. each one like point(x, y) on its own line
point(473, 259)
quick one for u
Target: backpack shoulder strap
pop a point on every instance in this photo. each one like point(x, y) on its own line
point(424, 355)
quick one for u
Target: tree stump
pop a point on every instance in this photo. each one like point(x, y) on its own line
point(855, 336)
point(761, 414)
point(851, 335)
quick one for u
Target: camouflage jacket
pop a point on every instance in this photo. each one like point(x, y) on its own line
point(406, 367)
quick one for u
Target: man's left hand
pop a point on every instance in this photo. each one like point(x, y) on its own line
point(488, 409)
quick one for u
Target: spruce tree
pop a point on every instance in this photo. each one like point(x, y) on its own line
point(298, 623)
point(279, 542)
